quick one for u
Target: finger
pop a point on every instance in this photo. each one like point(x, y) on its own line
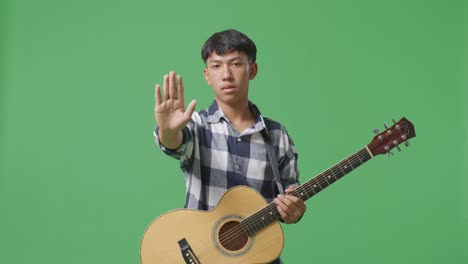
point(297, 207)
point(180, 90)
point(288, 216)
point(290, 189)
point(172, 85)
point(190, 109)
point(283, 206)
point(280, 207)
point(290, 205)
point(301, 205)
point(295, 203)
point(166, 87)
point(283, 214)
point(291, 198)
point(157, 92)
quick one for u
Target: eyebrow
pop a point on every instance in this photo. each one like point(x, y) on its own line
point(229, 60)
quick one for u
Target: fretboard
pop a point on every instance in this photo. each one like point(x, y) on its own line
point(269, 214)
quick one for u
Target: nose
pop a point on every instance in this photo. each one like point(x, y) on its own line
point(226, 73)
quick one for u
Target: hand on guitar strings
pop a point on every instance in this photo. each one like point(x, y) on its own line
point(291, 208)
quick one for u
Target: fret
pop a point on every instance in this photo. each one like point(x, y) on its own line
point(317, 187)
point(304, 194)
point(269, 214)
point(331, 172)
point(260, 219)
point(349, 162)
point(310, 190)
point(312, 187)
point(345, 168)
point(321, 176)
point(337, 171)
point(359, 157)
point(329, 176)
point(300, 192)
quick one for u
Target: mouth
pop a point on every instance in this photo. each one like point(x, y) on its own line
point(228, 88)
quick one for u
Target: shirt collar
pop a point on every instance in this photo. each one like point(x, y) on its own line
point(215, 114)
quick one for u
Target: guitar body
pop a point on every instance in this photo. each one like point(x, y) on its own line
point(214, 236)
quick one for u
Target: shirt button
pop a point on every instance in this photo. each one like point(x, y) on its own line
point(239, 139)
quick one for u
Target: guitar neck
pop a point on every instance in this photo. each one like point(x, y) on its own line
point(268, 214)
point(331, 175)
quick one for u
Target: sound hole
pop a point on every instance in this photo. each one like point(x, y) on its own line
point(232, 236)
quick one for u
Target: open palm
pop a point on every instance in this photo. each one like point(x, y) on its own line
point(170, 111)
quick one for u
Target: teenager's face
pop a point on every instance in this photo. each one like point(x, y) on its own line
point(229, 76)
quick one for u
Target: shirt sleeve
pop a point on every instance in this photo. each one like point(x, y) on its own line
point(184, 152)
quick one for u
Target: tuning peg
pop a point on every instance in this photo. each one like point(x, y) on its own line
point(407, 143)
point(385, 125)
point(399, 149)
point(376, 131)
point(393, 120)
point(390, 154)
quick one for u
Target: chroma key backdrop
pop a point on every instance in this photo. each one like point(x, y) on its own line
point(81, 177)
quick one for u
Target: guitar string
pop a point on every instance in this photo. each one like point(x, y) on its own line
point(205, 253)
point(319, 180)
point(239, 230)
point(209, 251)
point(337, 169)
point(233, 234)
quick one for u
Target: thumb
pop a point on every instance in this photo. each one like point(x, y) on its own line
point(290, 189)
point(190, 109)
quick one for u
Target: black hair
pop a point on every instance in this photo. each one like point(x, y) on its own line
point(228, 41)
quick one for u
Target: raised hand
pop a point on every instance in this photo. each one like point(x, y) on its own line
point(170, 111)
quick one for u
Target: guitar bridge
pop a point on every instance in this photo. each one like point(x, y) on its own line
point(187, 252)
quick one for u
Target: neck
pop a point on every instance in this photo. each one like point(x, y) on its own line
point(239, 114)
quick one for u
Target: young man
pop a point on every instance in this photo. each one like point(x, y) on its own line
point(223, 146)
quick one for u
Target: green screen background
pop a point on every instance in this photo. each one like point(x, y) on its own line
point(81, 178)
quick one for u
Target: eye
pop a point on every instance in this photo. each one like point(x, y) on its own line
point(215, 66)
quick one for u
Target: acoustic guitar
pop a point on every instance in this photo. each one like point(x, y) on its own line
point(243, 227)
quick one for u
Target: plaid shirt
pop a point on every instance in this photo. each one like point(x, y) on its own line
point(214, 157)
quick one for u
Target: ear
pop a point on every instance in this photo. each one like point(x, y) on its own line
point(253, 69)
point(206, 76)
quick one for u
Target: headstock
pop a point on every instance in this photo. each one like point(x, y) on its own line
point(393, 136)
